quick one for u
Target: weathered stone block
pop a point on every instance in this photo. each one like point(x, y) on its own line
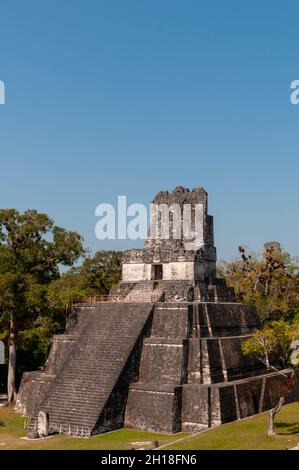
point(172, 320)
point(154, 408)
point(163, 361)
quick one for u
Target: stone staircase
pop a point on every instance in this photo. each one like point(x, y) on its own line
point(78, 400)
point(146, 289)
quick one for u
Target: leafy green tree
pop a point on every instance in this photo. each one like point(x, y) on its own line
point(102, 272)
point(96, 276)
point(276, 345)
point(269, 281)
point(63, 292)
point(32, 249)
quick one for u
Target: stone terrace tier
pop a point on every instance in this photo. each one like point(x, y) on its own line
point(193, 373)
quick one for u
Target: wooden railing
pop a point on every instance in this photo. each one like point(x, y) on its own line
point(120, 298)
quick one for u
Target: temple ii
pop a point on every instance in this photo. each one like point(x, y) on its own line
point(163, 353)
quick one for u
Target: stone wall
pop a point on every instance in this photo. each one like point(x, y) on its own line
point(136, 272)
point(193, 373)
point(180, 261)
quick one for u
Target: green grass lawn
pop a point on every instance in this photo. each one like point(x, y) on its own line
point(12, 431)
point(246, 434)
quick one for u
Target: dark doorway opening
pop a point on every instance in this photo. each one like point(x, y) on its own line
point(157, 272)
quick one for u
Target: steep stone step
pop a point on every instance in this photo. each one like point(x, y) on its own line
point(81, 390)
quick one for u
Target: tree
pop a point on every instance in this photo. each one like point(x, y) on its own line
point(96, 276)
point(278, 340)
point(32, 249)
point(269, 281)
point(101, 273)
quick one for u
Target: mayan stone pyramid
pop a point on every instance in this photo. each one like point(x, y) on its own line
point(163, 353)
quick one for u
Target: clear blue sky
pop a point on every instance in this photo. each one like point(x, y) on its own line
point(105, 98)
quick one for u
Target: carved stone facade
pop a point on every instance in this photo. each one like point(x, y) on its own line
point(171, 253)
point(166, 356)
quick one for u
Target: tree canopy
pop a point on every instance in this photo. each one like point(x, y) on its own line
point(32, 249)
point(278, 339)
point(96, 276)
point(277, 346)
point(270, 281)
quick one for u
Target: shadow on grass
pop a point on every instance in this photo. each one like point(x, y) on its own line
point(287, 428)
point(2, 424)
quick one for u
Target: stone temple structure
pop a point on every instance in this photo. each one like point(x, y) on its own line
point(163, 353)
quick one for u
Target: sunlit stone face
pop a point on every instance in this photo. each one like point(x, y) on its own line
point(180, 241)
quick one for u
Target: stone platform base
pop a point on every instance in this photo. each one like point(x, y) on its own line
point(193, 407)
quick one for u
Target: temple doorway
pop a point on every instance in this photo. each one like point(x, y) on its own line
point(157, 272)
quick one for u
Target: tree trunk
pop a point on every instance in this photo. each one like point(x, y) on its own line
point(267, 361)
point(272, 414)
point(12, 361)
